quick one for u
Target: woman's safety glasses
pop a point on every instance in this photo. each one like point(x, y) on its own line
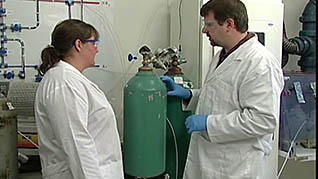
point(95, 42)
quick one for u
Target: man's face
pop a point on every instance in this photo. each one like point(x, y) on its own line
point(212, 29)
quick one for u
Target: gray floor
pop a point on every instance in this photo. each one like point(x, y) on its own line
point(30, 175)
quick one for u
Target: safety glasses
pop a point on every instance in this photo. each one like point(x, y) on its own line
point(208, 24)
point(95, 42)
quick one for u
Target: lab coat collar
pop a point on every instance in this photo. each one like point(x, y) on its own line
point(76, 71)
point(68, 66)
point(238, 55)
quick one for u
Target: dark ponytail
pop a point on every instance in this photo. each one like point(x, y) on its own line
point(50, 56)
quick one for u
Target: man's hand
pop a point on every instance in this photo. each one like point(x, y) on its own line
point(196, 122)
point(174, 89)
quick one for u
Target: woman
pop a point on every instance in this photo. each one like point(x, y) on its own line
point(76, 125)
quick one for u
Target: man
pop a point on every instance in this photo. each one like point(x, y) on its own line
point(237, 108)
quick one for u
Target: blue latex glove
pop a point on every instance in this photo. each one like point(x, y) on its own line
point(174, 89)
point(196, 122)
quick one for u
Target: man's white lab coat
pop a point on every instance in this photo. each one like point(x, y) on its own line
point(242, 98)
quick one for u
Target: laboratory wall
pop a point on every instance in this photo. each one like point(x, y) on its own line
point(135, 23)
point(292, 11)
point(124, 27)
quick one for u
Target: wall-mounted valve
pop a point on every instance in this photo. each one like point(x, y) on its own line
point(3, 28)
point(38, 78)
point(131, 57)
point(3, 52)
point(16, 27)
point(8, 75)
point(69, 2)
point(3, 12)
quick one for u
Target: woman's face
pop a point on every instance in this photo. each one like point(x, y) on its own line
point(91, 49)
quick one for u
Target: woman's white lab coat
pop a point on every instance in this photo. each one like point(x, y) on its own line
point(242, 99)
point(76, 126)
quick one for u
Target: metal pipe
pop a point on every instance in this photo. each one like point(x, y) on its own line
point(290, 46)
point(22, 52)
point(305, 44)
point(37, 18)
point(3, 34)
point(69, 11)
point(35, 66)
point(82, 10)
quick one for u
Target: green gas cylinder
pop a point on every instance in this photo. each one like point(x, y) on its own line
point(177, 118)
point(145, 112)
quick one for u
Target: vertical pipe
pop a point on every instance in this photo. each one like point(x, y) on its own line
point(22, 53)
point(69, 11)
point(82, 10)
point(37, 18)
point(3, 29)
